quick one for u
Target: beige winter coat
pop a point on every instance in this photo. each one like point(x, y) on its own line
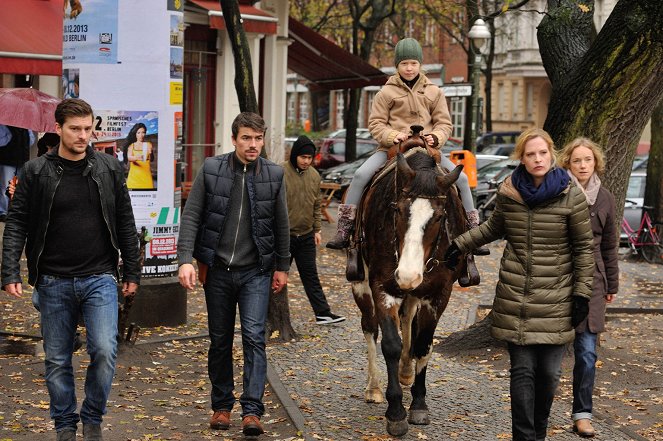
point(549, 257)
point(396, 107)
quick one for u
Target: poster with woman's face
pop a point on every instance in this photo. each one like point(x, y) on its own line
point(133, 138)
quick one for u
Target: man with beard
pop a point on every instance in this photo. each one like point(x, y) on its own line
point(73, 208)
point(235, 224)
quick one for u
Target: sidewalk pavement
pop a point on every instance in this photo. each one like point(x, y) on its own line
point(316, 383)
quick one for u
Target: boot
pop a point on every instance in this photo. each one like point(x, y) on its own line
point(473, 222)
point(345, 227)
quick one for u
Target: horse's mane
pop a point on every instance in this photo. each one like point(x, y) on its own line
point(423, 184)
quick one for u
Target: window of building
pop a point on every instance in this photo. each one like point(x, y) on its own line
point(458, 117)
point(500, 101)
point(530, 101)
point(303, 107)
point(340, 107)
point(292, 116)
point(515, 104)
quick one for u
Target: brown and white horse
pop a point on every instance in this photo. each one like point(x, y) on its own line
point(407, 218)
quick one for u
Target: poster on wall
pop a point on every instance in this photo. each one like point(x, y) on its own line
point(71, 83)
point(90, 31)
point(133, 138)
point(162, 225)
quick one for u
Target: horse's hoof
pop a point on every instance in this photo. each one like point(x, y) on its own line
point(397, 428)
point(418, 417)
point(373, 396)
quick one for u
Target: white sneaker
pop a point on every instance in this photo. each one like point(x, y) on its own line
point(329, 318)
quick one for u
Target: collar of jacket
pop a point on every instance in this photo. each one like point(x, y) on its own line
point(89, 157)
point(232, 159)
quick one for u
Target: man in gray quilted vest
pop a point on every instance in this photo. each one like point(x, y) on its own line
point(235, 224)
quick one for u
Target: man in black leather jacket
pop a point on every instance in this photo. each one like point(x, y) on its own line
point(73, 208)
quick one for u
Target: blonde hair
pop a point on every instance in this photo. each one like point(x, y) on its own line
point(528, 135)
point(565, 156)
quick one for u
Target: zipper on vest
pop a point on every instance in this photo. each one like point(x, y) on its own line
point(241, 208)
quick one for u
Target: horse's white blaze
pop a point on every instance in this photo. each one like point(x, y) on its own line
point(409, 273)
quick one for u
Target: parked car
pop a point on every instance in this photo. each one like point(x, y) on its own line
point(640, 162)
point(488, 178)
point(362, 133)
point(490, 138)
point(499, 149)
point(635, 199)
point(484, 160)
point(332, 151)
point(342, 174)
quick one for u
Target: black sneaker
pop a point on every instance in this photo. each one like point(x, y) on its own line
point(328, 318)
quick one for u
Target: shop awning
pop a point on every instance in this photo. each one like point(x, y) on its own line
point(326, 65)
point(31, 37)
point(253, 19)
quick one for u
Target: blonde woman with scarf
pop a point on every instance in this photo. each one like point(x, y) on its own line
point(584, 162)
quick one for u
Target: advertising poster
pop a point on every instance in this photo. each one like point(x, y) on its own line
point(133, 138)
point(71, 83)
point(161, 251)
point(90, 32)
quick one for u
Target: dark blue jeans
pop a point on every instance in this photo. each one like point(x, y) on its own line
point(224, 290)
point(60, 301)
point(302, 250)
point(584, 372)
point(535, 372)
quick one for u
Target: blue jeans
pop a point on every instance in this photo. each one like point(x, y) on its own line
point(60, 302)
point(584, 372)
point(224, 290)
point(535, 372)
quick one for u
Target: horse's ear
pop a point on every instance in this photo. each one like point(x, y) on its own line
point(447, 180)
point(405, 173)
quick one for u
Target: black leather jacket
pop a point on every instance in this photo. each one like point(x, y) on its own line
point(29, 214)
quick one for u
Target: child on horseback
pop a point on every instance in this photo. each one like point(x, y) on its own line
point(408, 98)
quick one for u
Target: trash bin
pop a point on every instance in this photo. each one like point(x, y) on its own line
point(469, 162)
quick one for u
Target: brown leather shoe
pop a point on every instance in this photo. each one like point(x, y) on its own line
point(583, 427)
point(220, 420)
point(251, 426)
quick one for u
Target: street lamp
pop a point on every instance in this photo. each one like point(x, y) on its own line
point(479, 34)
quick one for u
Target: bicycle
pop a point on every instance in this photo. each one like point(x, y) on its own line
point(646, 240)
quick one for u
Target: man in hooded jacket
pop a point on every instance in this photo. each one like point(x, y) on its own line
point(302, 184)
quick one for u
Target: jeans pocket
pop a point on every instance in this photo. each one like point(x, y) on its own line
point(45, 281)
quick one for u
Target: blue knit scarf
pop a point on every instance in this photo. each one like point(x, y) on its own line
point(554, 182)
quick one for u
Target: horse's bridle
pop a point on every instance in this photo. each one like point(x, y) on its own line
point(431, 260)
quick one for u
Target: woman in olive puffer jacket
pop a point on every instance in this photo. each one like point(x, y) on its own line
point(545, 277)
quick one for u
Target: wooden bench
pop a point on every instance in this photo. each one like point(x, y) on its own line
point(328, 190)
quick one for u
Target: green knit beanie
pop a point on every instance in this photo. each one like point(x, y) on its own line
point(408, 49)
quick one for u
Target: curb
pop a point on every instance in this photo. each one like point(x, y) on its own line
point(288, 403)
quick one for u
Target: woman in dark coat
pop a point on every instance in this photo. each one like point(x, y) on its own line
point(545, 276)
point(584, 162)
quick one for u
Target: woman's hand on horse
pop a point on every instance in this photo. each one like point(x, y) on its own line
point(451, 256)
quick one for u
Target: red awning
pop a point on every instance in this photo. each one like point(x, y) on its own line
point(31, 37)
point(253, 19)
point(327, 65)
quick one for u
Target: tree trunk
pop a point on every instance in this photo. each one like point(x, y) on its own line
point(606, 91)
point(654, 191)
point(243, 69)
point(351, 117)
point(278, 317)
